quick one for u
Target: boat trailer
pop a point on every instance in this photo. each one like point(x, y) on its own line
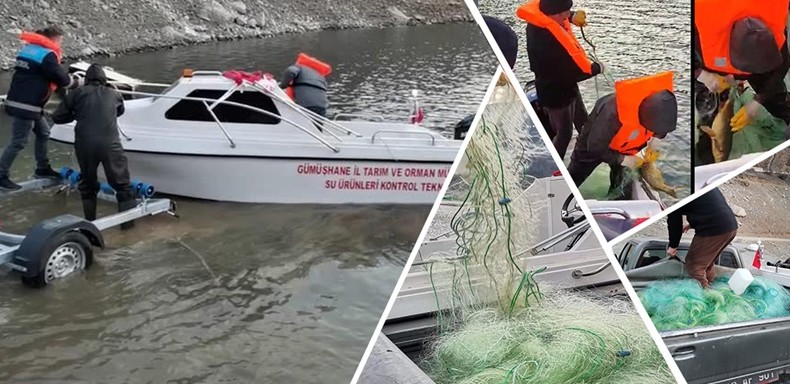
point(61, 246)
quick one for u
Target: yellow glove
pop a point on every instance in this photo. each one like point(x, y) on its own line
point(632, 162)
point(651, 155)
point(714, 82)
point(744, 116)
point(579, 18)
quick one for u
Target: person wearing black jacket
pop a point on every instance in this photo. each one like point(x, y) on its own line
point(753, 49)
point(557, 75)
point(96, 107)
point(658, 113)
point(37, 73)
point(714, 227)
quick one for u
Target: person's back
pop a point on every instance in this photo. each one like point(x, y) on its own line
point(556, 74)
point(95, 106)
point(309, 87)
point(709, 214)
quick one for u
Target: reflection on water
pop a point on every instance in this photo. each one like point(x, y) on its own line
point(236, 292)
point(632, 39)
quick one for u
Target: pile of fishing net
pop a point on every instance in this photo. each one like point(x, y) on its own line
point(683, 303)
point(565, 338)
point(763, 133)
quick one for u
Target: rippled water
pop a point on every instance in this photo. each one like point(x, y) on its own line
point(632, 38)
point(234, 292)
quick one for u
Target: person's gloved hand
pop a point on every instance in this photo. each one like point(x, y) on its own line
point(579, 18)
point(714, 82)
point(632, 162)
point(744, 116)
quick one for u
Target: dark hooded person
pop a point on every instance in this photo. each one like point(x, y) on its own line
point(96, 107)
point(638, 114)
point(305, 83)
point(559, 63)
point(744, 40)
point(37, 73)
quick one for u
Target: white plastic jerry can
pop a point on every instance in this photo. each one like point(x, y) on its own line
point(740, 280)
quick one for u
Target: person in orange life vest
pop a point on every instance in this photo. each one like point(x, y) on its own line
point(37, 72)
point(559, 63)
point(308, 84)
point(744, 40)
point(639, 113)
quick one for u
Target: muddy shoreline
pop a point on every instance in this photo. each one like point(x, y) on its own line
point(92, 26)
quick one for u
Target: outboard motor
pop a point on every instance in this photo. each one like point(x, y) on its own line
point(462, 127)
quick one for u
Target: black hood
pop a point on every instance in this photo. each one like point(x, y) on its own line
point(95, 75)
point(659, 112)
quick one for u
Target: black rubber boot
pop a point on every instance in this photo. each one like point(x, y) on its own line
point(89, 208)
point(46, 173)
point(7, 185)
point(125, 205)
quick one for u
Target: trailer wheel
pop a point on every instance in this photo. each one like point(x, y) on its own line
point(66, 254)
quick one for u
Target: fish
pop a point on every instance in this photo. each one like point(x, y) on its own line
point(655, 180)
point(720, 132)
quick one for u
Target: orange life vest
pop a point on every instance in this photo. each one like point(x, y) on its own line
point(632, 135)
point(714, 20)
point(35, 38)
point(530, 12)
point(308, 61)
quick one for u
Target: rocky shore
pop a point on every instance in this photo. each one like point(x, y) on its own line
point(110, 27)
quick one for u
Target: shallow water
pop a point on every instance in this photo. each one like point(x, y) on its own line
point(235, 292)
point(632, 39)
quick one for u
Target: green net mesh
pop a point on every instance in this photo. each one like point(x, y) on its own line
point(764, 133)
point(682, 303)
point(496, 323)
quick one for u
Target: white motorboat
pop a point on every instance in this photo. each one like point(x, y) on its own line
point(238, 137)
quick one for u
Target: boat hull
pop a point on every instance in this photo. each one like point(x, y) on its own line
point(288, 180)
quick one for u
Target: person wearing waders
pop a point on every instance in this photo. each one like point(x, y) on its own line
point(559, 63)
point(96, 107)
point(639, 113)
point(744, 40)
point(37, 73)
point(714, 227)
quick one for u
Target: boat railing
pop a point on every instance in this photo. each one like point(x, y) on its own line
point(205, 102)
point(302, 110)
point(359, 115)
point(433, 138)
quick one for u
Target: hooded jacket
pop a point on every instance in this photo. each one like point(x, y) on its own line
point(658, 114)
point(35, 69)
point(95, 106)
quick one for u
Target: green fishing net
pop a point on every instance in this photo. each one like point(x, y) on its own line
point(682, 303)
point(764, 133)
point(566, 338)
point(496, 324)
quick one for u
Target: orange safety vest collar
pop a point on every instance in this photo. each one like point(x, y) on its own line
point(35, 38)
point(629, 94)
point(530, 12)
point(714, 20)
point(319, 66)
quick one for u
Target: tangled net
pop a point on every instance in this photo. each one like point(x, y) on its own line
point(566, 338)
point(499, 325)
point(682, 303)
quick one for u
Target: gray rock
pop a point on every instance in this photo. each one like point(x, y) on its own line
point(239, 7)
point(74, 23)
point(399, 16)
point(262, 19)
point(214, 11)
point(240, 20)
point(738, 211)
point(170, 32)
point(43, 4)
point(87, 51)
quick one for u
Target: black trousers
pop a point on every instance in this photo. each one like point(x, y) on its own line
point(582, 166)
point(111, 157)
